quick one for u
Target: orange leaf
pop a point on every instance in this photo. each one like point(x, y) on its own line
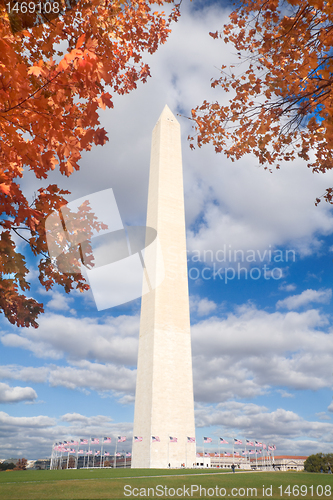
point(80, 41)
point(34, 70)
point(5, 188)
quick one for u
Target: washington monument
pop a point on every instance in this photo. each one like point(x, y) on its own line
point(164, 428)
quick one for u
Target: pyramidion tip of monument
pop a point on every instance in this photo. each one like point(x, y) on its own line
point(167, 114)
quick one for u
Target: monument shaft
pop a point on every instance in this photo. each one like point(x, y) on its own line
point(164, 405)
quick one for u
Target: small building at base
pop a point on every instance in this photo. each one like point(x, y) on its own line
point(283, 462)
point(279, 462)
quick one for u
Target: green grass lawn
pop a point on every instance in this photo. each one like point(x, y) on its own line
point(148, 483)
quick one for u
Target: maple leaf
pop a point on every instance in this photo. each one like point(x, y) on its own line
point(49, 101)
point(35, 70)
point(5, 188)
point(287, 87)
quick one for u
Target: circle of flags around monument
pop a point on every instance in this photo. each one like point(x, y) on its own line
point(85, 448)
point(85, 454)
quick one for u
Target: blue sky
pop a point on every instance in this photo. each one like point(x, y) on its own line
point(262, 346)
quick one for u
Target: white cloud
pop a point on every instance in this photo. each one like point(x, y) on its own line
point(41, 421)
point(306, 297)
point(248, 351)
point(16, 394)
point(286, 429)
point(202, 307)
point(323, 416)
point(25, 373)
point(242, 355)
point(87, 421)
point(78, 375)
point(287, 288)
point(112, 339)
point(33, 437)
point(330, 408)
point(59, 301)
point(94, 376)
point(285, 394)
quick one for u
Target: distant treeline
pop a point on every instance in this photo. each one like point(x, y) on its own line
point(21, 464)
point(6, 466)
point(319, 463)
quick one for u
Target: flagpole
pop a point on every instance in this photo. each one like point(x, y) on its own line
point(77, 453)
point(150, 446)
point(51, 464)
point(115, 454)
point(186, 452)
point(203, 451)
point(125, 461)
point(168, 449)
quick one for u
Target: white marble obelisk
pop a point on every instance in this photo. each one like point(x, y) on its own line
point(164, 405)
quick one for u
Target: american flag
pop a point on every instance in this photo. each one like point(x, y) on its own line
point(107, 440)
point(173, 440)
point(107, 454)
point(89, 452)
point(237, 441)
point(223, 441)
point(264, 447)
point(72, 450)
point(118, 455)
point(250, 443)
point(207, 440)
point(258, 443)
point(217, 454)
point(274, 447)
point(155, 439)
point(121, 439)
point(251, 452)
point(94, 441)
point(244, 452)
point(80, 451)
point(259, 451)
point(128, 454)
point(137, 439)
point(83, 441)
point(75, 443)
point(198, 455)
point(227, 454)
point(236, 454)
point(207, 455)
point(190, 440)
point(271, 448)
point(97, 452)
